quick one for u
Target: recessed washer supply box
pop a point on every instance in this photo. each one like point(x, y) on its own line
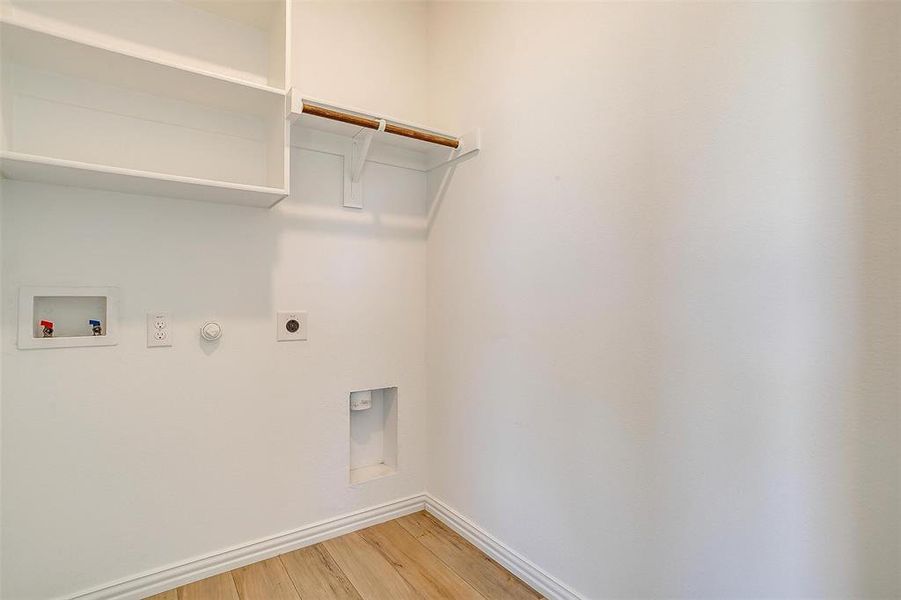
point(373, 434)
point(71, 310)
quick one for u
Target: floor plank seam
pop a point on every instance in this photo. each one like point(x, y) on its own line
point(291, 579)
point(387, 559)
point(231, 577)
point(340, 568)
point(449, 567)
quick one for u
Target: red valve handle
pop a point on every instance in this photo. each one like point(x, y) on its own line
point(47, 324)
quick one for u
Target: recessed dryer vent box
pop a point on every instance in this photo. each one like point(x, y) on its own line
point(373, 434)
point(74, 312)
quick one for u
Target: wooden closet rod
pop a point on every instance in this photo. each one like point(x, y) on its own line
point(369, 122)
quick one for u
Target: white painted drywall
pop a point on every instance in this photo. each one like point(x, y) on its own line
point(663, 340)
point(121, 460)
point(1, 372)
point(369, 55)
point(664, 300)
point(125, 459)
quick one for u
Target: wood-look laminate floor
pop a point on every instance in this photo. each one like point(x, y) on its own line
point(415, 556)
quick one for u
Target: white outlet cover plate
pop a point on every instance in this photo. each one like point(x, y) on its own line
point(159, 330)
point(281, 323)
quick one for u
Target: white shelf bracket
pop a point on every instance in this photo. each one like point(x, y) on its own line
point(470, 144)
point(353, 189)
point(441, 173)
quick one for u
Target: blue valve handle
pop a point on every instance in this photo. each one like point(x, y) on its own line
point(93, 322)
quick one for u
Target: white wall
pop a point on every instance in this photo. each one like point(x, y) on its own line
point(369, 55)
point(124, 459)
point(1, 383)
point(121, 460)
point(663, 311)
point(664, 301)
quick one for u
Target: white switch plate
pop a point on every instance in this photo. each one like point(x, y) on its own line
point(286, 321)
point(159, 332)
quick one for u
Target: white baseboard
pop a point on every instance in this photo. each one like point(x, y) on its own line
point(539, 579)
point(147, 584)
point(167, 578)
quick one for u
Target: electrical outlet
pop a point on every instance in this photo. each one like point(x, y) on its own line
point(291, 326)
point(158, 330)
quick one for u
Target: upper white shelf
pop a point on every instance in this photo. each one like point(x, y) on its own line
point(78, 112)
point(238, 40)
point(26, 44)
